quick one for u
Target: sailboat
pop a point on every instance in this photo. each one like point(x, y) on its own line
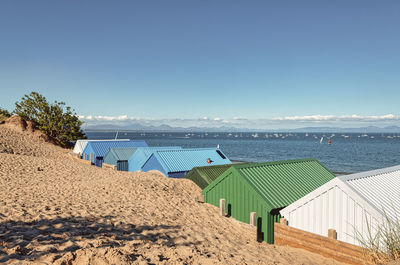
point(320, 141)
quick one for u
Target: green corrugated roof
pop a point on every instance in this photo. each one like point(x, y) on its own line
point(203, 176)
point(284, 182)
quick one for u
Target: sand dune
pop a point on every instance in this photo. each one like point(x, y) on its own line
point(54, 210)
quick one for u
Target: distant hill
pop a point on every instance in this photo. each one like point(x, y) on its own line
point(369, 129)
point(168, 128)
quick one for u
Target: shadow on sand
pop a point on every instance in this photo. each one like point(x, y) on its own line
point(31, 240)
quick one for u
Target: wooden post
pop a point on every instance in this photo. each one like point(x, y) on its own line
point(332, 233)
point(85, 156)
point(283, 221)
point(253, 218)
point(222, 207)
point(79, 155)
point(91, 157)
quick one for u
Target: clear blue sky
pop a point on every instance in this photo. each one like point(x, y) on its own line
point(191, 59)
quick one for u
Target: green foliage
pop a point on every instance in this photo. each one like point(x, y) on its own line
point(4, 112)
point(55, 120)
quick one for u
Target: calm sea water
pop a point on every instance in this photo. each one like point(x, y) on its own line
point(348, 152)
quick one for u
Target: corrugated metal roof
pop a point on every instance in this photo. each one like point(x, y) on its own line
point(282, 183)
point(100, 148)
point(81, 144)
point(122, 154)
point(203, 176)
point(186, 159)
point(142, 154)
point(381, 188)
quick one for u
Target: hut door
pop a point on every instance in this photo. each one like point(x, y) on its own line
point(99, 161)
point(122, 165)
point(260, 234)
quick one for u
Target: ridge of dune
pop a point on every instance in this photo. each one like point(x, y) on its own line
point(22, 138)
point(54, 210)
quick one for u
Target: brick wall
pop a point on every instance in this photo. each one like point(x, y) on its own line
point(113, 167)
point(327, 247)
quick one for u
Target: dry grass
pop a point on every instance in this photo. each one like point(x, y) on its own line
point(384, 245)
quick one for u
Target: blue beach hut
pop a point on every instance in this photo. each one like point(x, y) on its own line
point(119, 157)
point(176, 163)
point(142, 154)
point(99, 149)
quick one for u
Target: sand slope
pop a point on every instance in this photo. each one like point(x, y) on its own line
point(56, 210)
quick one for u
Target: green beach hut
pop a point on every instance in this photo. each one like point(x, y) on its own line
point(203, 176)
point(265, 188)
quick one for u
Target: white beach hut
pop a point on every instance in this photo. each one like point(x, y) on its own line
point(354, 205)
point(81, 144)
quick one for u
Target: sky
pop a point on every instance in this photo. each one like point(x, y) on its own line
point(269, 64)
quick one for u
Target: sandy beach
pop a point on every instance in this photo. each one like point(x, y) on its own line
point(54, 210)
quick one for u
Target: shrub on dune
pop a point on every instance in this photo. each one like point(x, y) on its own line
point(56, 120)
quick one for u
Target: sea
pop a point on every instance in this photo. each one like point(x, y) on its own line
point(347, 153)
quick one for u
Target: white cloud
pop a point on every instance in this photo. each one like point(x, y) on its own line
point(287, 122)
point(239, 119)
point(107, 118)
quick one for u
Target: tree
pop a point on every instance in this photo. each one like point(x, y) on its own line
point(4, 112)
point(56, 120)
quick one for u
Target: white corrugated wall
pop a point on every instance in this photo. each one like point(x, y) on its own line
point(333, 206)
point(80, 146)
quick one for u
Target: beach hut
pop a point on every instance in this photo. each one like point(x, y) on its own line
point(265, 188)
point(81, 144)
point(119, 157)
point(203, 176)
point(354, 205)
point(142, 154)
point(96, 150)
point(176, 163)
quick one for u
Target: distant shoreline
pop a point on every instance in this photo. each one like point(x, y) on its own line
point(210, 130)
point(336, 173)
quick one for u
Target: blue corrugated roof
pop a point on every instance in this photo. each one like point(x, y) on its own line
point(186, 159)
point(100, 148)
point(119, 154)
point(142, 154)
